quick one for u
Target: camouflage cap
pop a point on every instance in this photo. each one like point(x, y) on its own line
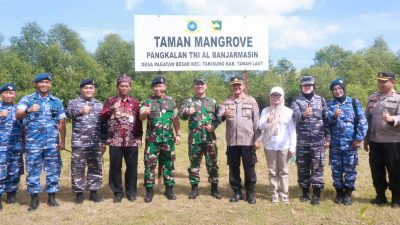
point(307, 80)
point(199, 80)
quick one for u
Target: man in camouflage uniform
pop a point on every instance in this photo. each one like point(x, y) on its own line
point(11, 163)
point(348, 126)
point(45, 137)
point(243, 138)
point(87, 143)
point(161, 114)
point(383, 139)
point(201, 111)
point(124, 136)
point(309, 112)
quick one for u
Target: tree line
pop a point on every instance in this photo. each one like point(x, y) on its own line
point(61, 52)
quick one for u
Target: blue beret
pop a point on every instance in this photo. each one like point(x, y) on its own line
point(339, 81)
point(86, 82)
point(42, 76)
point(158, 80)
point(8, 87)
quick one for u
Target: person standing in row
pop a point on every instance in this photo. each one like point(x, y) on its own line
point(11, 162)
point(45, 137)
point(310, 115)
point(162, 117)
point(243, 138)
point(279, 140)
point(201, 111)
point(87, 142)
point(124, 136)
point(383, 139)
point(348, 127)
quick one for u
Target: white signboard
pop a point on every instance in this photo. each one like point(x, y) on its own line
point(182, 43)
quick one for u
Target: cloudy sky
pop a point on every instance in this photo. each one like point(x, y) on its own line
point(297, 28)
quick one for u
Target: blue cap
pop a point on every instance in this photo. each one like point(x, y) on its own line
point(8, 87)
point(42, 76)
point(86, 82)
point(339, 81)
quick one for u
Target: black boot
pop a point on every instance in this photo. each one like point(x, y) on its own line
point(1, 205)
point(118, 197)
point(339, 196)
point(79, 198)
point(169, 192)
point(347, 200)
point(214, 191)
point(315, 199)
point(250, 197)
point(131, 196)
point(304, 197)
point(11, 197)
point(94, 197)
point(380, 199)
point(34, 202)
point(149, 195)
point(237, 196)
point(51, 201)
point(195, 192)
point(395, 200)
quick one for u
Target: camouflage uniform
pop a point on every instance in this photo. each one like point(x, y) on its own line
point(200, 140)
point(42, 140)
point(311, 132)
point(350, 126)
point(11, 162)
point(159, 139)
point(86, 145)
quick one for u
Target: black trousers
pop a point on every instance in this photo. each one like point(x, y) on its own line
point(130, 155)
point(249, 160)
point(385, 157)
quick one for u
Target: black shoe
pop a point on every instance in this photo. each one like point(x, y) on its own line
point(347, 200)
point(195, 192)
point(118, 197)
point(237, 196)
point(214, 191)
point(11, 197)
point(380, 199)
point(34, 202)
point(51, 201)
point(250, 198)
point(131, 196)
point(304, 197)
point(149, 195)
point(94, 197)
point(395, 200)
point(1, 205)
point(169, 193)
point(339, 196)
point(79, 198)
point(315, 198)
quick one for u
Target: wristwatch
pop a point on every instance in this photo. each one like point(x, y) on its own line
point(26, 111)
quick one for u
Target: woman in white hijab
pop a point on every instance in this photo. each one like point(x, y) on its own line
point(279, 140)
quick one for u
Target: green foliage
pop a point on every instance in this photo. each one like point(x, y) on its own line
point(60, 51)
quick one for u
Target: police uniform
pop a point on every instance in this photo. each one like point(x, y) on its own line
point(311, 133)
point(201, 142)
point(159, 141)
point(241, 134)
point(42, 140)
point(11, 162)
point(350, 126)
point(384, 142)
point(86, 143)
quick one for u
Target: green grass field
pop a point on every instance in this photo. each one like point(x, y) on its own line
point(205, 209)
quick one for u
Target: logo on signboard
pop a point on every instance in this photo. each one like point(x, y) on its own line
point(192, 26)
point(216, 25)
